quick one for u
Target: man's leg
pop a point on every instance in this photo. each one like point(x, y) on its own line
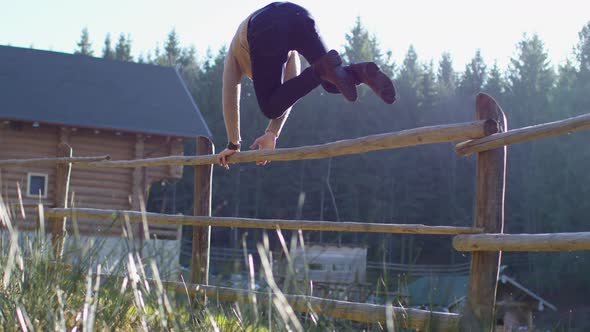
point(275, 96)
point(370, 74)
point(271, 35)
point(305, 38)
point(269, 45)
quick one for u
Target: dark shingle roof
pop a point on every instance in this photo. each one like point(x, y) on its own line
point(58, 88)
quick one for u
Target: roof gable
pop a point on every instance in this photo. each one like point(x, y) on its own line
point(59, 88)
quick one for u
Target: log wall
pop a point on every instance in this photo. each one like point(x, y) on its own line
point(89, 187)
point(22, 142)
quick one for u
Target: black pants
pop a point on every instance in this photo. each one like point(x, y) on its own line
point(273, 31)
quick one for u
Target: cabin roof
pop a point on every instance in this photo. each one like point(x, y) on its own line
point(541, 303)
point(75, 90)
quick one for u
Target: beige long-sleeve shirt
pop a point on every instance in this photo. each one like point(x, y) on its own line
point(236, 65)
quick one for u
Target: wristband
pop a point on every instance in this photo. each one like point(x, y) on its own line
point(232, 146)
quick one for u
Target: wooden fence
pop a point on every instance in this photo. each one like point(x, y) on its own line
point(487, 136)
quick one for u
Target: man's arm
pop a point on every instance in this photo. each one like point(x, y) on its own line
point(231, 98)
point(273, 130)
point(232, 76)
point(292, 69)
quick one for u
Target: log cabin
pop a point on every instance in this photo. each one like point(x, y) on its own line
point(53, 103)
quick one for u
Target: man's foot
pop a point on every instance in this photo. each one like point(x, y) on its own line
point(329, 68)
point(369, 73)
point(329, 87)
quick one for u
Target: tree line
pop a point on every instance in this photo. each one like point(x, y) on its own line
point(547, 181)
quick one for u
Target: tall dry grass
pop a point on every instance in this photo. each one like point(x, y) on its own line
point(83, 289)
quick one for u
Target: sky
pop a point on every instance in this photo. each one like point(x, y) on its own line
point(459, 27)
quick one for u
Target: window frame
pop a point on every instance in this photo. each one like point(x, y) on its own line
point(45, 185)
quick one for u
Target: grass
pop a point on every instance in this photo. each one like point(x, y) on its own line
point(84, 289)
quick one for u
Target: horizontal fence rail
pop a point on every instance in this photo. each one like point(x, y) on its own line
point(523, 242)
point(58, 160)
point(165, 219)
point(525, 134)
point(359, 312)
point(405, 138)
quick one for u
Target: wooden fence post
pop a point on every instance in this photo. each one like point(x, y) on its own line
point(62, 173)
point(202, 207)
point(489, 214)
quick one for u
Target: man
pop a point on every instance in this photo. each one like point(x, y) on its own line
point(266, 48)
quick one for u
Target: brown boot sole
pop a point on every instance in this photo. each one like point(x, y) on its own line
point(340, 78)
point(380, 83)
point(345, 83)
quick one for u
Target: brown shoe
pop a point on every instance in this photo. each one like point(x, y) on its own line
point(329, 68)
point(369, 73)
point(329, 87)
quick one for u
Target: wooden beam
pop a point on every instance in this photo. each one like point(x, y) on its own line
point(359, 312)
point(138, 186)
point(306, 225)
point(61, 191)
point(405, 138)
point(523, 242)
point(489, 214)
point(202, 207)
point(520, 135)
point(57, 160)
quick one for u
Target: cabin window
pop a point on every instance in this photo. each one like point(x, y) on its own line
point(341, 267)
point(316, 267)
point(37, 185)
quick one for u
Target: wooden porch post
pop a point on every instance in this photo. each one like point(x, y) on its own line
point(202, 207)
point(489, 214)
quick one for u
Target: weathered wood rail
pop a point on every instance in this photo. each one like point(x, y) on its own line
point(395, 140)
point(526, 134)
point(359, 312)
point(523, 242)
point(306, 225)
point(488, 136)
point(57, 160)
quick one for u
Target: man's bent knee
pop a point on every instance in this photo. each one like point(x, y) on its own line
point(272, 111)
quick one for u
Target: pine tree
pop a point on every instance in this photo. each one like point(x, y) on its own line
point(188, 58)
point(107, 50)
point(408, 85)
point(495, 84)
point(530, 79)
point(123, 48)
point(408, 81)
point(410, 70)
point(362, 47)
point(530, 86)
point(427, 93)
point(357, 48)
point(84, 45)
point(172, 49)
point(446, 77)
point(474, 76)
point(582, 52)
